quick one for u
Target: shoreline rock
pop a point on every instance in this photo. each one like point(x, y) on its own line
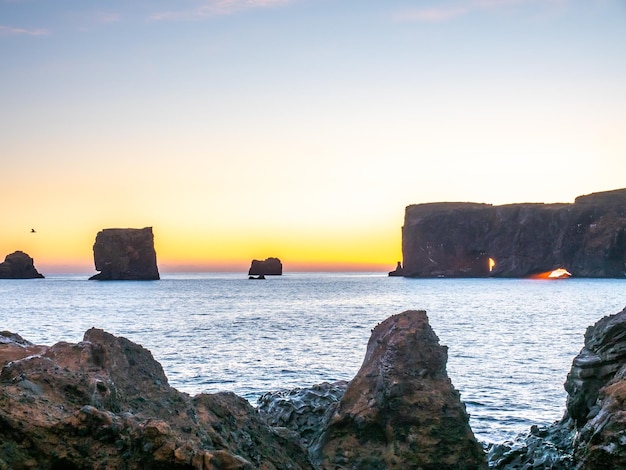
point(592, 432)
point(301, 410)
point(18, 265)
point(106, 403)
point(400, 410)
point(125, 254)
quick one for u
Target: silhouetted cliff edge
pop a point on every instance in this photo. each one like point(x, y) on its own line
point(465, 239)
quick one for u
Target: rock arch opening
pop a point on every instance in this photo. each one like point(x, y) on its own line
point(559, 273)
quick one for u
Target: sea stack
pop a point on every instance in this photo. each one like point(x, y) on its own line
point(125, 254)
point(267, 267)
point(399, 271)
point(18, 265)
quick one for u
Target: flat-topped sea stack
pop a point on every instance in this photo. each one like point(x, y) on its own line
point(465, 239)
point(267, 267)
point(125, 254)
point(18, 265)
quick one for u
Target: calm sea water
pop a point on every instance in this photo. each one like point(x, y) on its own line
point(511, 342)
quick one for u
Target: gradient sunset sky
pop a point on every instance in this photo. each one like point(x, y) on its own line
point(301, 129)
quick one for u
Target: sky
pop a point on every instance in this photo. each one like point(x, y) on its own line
point(298, 129)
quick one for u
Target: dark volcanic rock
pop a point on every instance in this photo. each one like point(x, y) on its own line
point(125, 254)
point(105, 403)
point(400, 411)
point(267, 267)
point(302, 410)
point(592, 433)
point(457, 239)
point(18, 265)
point(596, 402)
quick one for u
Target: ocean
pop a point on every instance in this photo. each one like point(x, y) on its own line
point(510, 341)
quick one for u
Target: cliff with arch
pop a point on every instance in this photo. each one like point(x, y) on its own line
point(466, 239)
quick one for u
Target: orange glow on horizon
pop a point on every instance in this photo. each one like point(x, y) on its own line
point(68, 248)
point(70, 253)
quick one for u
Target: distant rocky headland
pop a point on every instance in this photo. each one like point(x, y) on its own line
point(465, 239)
point(106, 403)
point(125, 254)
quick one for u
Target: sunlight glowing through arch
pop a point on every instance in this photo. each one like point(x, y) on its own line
point(559, 273)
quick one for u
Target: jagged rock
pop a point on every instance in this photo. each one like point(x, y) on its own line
point(302, 410)
point(105, 403)
point(596, 403)
point(267, 267)
point(458, 239)
point(400, 411)
point(399, 271)
point(18, 265)
point(592, 433)
point(125, 254)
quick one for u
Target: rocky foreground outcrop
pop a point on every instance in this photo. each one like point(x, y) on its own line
point(125, 254)
point(463, 239)
point(18, 265)
point(266, 267)
point(592, 433)
point(399, 412)
point(105, 403)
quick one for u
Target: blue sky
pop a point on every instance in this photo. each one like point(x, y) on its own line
point(238, 128)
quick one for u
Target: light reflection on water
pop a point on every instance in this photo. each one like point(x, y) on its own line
point(511, 342)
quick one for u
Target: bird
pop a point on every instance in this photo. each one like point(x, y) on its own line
point(32, 230)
